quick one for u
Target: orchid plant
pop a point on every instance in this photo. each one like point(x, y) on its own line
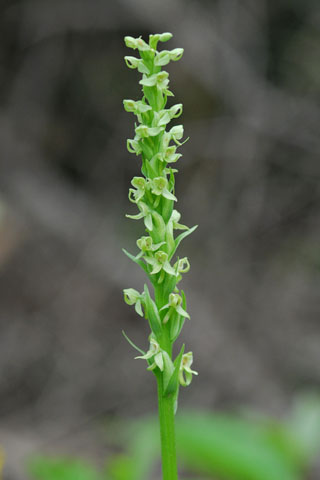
point(153, 193)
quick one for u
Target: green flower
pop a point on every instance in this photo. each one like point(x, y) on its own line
point(133, 145)
point(136, 107)
point(170, 155)
point(159, 186)
point(185, 372)
point(161, 80)
point(175, 218)
point(140, 185)
point(133, 62)
point(154, 353)
point(146, 245)
point(160, 262)
point(182, 265)
point(174, 307)
point(145, 213)
point(133, 297)
point(154, 194)
point(136, 43)
point(155, 38)
point(144, 132)
point(176, 133)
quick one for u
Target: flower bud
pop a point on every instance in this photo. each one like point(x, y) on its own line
point(164, 37)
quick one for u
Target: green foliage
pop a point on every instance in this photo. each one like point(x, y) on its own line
point(231, 447)
point(223, 446)
point(45, 468)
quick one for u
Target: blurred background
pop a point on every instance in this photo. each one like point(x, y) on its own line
point(250, 177)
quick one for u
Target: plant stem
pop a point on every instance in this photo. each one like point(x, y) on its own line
point(167, 433)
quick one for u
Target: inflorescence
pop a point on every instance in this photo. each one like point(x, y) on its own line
point(154, 195)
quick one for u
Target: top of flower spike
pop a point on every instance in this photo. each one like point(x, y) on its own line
point(162, 58)
point(138, 43)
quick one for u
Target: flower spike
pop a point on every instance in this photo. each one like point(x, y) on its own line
point(161, 303)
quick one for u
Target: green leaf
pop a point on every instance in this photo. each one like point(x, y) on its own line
point(136, 260)
point(120, 467)
point(167, 372)
point(173, 383)
point(180, 237)
point(232, 448)
point(176, 327)
point(45, 468)
point(132, 344)
point(152, 313)
point(215, 445)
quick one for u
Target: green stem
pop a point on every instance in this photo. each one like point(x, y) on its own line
point(167, 433)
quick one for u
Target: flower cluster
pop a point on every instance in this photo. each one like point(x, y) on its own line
point(153, 193)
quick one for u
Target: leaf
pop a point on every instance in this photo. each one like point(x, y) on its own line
point(152, 313)
point(180, 237)
point(167, 372)
point(136, 260)
point(132, 344)
point(176, 328)
point(120, 467)
point(45, 468)
point(173, 384)
point(235, 449)
point(217, 445)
